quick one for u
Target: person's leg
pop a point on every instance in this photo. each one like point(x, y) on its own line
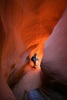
point(34, 63)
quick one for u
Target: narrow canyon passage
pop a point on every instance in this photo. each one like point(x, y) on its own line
point(28, 27)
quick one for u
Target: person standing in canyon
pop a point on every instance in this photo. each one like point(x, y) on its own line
point(34, 59)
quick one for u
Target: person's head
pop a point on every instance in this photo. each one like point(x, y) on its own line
point(35, 54)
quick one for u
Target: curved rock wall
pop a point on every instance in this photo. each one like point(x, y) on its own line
point(5, 92)
point(27, 23)
point(54, 62)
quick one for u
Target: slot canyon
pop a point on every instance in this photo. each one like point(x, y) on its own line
point(28, 27)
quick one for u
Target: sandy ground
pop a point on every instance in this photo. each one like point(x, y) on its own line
point(31, 80)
